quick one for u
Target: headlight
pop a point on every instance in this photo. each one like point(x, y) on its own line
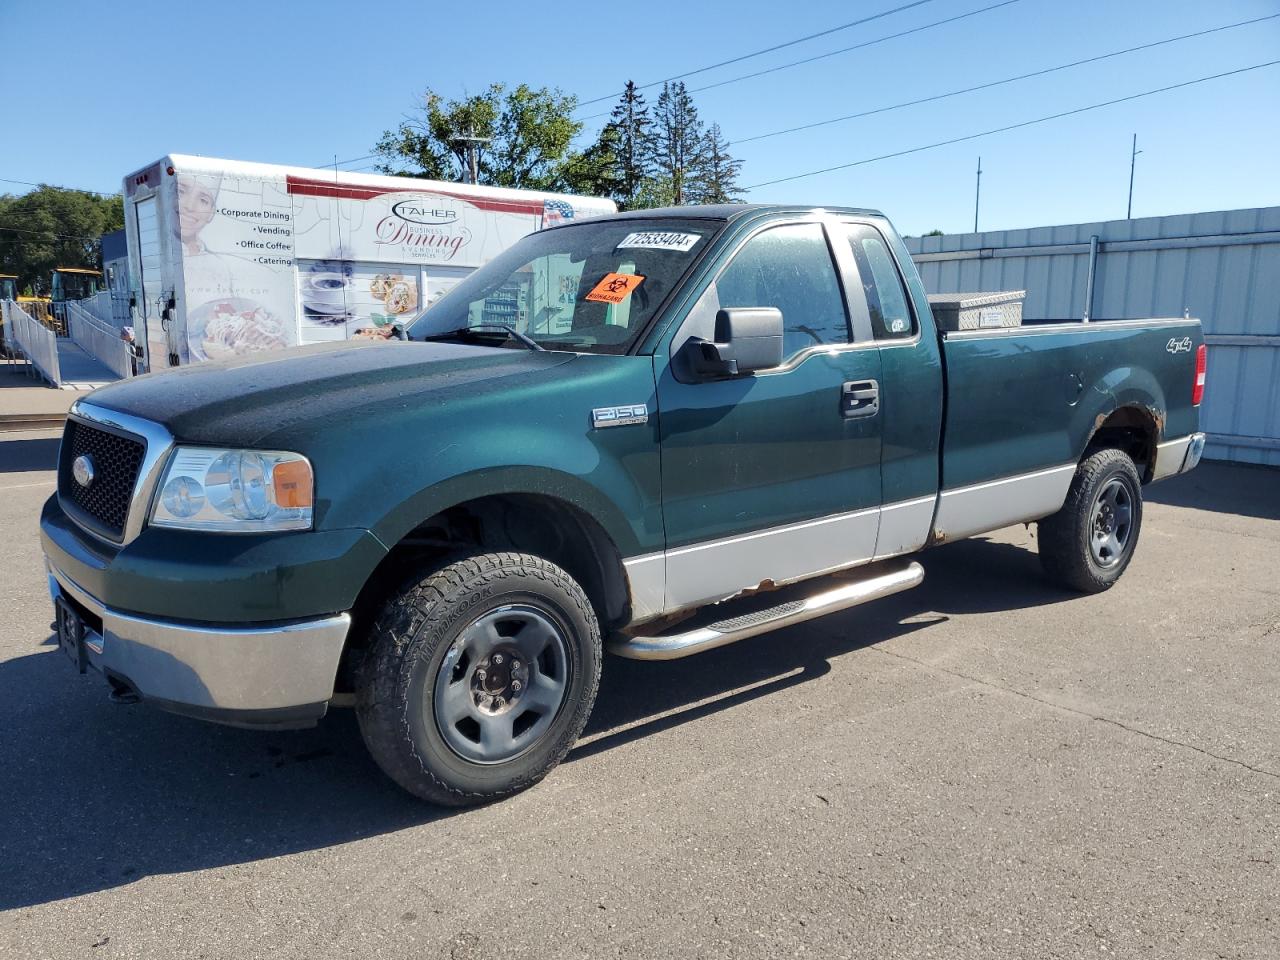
point(236, 491)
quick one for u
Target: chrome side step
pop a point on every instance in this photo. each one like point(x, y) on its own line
point(672, 646)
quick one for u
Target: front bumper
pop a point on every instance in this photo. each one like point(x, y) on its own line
point(1177, 456)
point(269, 675)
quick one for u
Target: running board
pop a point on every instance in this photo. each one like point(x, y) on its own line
point(672, 646)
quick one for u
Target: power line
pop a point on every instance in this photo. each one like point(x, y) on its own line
point(769, 70)
point(997, 83)
point(833, 53)
point(1013, 126)
point(54, 186)
point(338, 163)
point(757, 53)
point(48, 233)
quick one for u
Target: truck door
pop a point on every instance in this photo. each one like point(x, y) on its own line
point(910, 387)
point(775, 476)
point(150, 298)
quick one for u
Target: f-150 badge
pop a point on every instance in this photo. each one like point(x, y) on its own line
point(619, 416)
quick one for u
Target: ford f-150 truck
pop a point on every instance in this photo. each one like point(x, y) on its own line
point(653, 433)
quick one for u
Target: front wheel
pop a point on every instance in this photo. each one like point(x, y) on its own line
point(1089, 542)
point(479, 678)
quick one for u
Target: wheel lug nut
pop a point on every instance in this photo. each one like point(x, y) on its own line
point(498, 703)
point(480, 675)
point(497, 659)
point(515, 686)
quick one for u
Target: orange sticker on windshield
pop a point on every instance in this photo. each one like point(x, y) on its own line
point(615, 287)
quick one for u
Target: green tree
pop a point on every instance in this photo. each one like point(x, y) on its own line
point(534, 138)
point(52, 227)
point(427, 144)
point(525, 140)
point(715, 179)
point(654, 192)
point(675, 146)
point(596, 171)
point(630, 126)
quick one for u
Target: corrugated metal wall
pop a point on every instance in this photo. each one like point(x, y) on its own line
point(1223, 267)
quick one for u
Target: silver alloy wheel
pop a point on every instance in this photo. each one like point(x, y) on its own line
point(501, 684)
point(1111, 522)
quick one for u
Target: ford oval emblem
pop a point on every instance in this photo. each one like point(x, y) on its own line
point(82, 469)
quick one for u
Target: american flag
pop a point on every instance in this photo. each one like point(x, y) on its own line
point(555, 211)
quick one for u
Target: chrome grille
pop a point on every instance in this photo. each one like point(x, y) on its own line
point(103, 505)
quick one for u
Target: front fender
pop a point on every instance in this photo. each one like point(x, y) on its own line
point(533, 435)
point(545, 481)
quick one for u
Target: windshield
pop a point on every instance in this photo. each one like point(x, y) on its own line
point(590, 287)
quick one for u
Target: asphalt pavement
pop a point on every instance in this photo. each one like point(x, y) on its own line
point(982, 767)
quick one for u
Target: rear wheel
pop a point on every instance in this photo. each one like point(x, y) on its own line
point(1089, 542)
point(479, 678)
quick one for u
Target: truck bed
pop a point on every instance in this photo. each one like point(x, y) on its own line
point(1022, 404)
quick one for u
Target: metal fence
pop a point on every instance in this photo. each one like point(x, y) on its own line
point(32, 340)
point(1222, 267)
point(99, 340)
point(110, 307)
point(42, 312)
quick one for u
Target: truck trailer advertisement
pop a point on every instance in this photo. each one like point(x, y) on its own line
point(230, 257)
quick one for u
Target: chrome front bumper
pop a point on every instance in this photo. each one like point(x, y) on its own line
point(1177, 456)
point(277, 675)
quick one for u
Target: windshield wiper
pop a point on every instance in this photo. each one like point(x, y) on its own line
point(509, 330)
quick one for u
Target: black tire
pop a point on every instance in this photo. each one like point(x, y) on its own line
point(1072, 548)
point(402, 688)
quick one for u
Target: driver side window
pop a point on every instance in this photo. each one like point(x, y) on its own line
point(789, 267)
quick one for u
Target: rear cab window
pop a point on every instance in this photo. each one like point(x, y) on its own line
point(887, 302)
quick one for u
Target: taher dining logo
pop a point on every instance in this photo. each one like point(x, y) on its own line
point(422, 210)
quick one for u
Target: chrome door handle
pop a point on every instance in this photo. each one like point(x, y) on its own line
point(860, 398)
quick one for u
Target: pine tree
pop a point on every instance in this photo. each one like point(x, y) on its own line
point(628, 127)
point(716, 178)
point(675, 145)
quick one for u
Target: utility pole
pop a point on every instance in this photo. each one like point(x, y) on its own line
point(473, 154)
point(1133, 161)
point(977, 196)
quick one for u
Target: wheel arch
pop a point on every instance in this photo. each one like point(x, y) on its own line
point(494, 519)
point(1129, 415)
point(1133, 428)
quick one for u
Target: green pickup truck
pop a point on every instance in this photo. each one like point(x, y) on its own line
point(653, 433)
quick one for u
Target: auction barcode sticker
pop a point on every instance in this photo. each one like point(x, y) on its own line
point(660, 240)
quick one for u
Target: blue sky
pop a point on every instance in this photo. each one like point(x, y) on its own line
point(298, 83)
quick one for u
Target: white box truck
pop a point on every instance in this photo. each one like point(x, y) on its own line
point(228, 257)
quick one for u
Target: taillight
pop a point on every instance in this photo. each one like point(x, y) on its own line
point(1202, 364)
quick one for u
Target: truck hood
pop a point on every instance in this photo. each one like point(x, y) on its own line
point(241, 401)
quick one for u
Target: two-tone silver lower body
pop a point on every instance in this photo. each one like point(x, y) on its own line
point(273, 675)
point(1177, 456)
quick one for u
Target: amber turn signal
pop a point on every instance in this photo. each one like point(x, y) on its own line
point(293, 484)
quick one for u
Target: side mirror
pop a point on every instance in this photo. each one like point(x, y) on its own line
point(747, 339)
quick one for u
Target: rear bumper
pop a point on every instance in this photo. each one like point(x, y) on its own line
point(268, 675)
point(1177, 456)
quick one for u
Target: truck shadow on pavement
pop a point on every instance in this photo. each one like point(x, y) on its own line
point(1241, 489)
point(29, 455)
point(95, 796)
